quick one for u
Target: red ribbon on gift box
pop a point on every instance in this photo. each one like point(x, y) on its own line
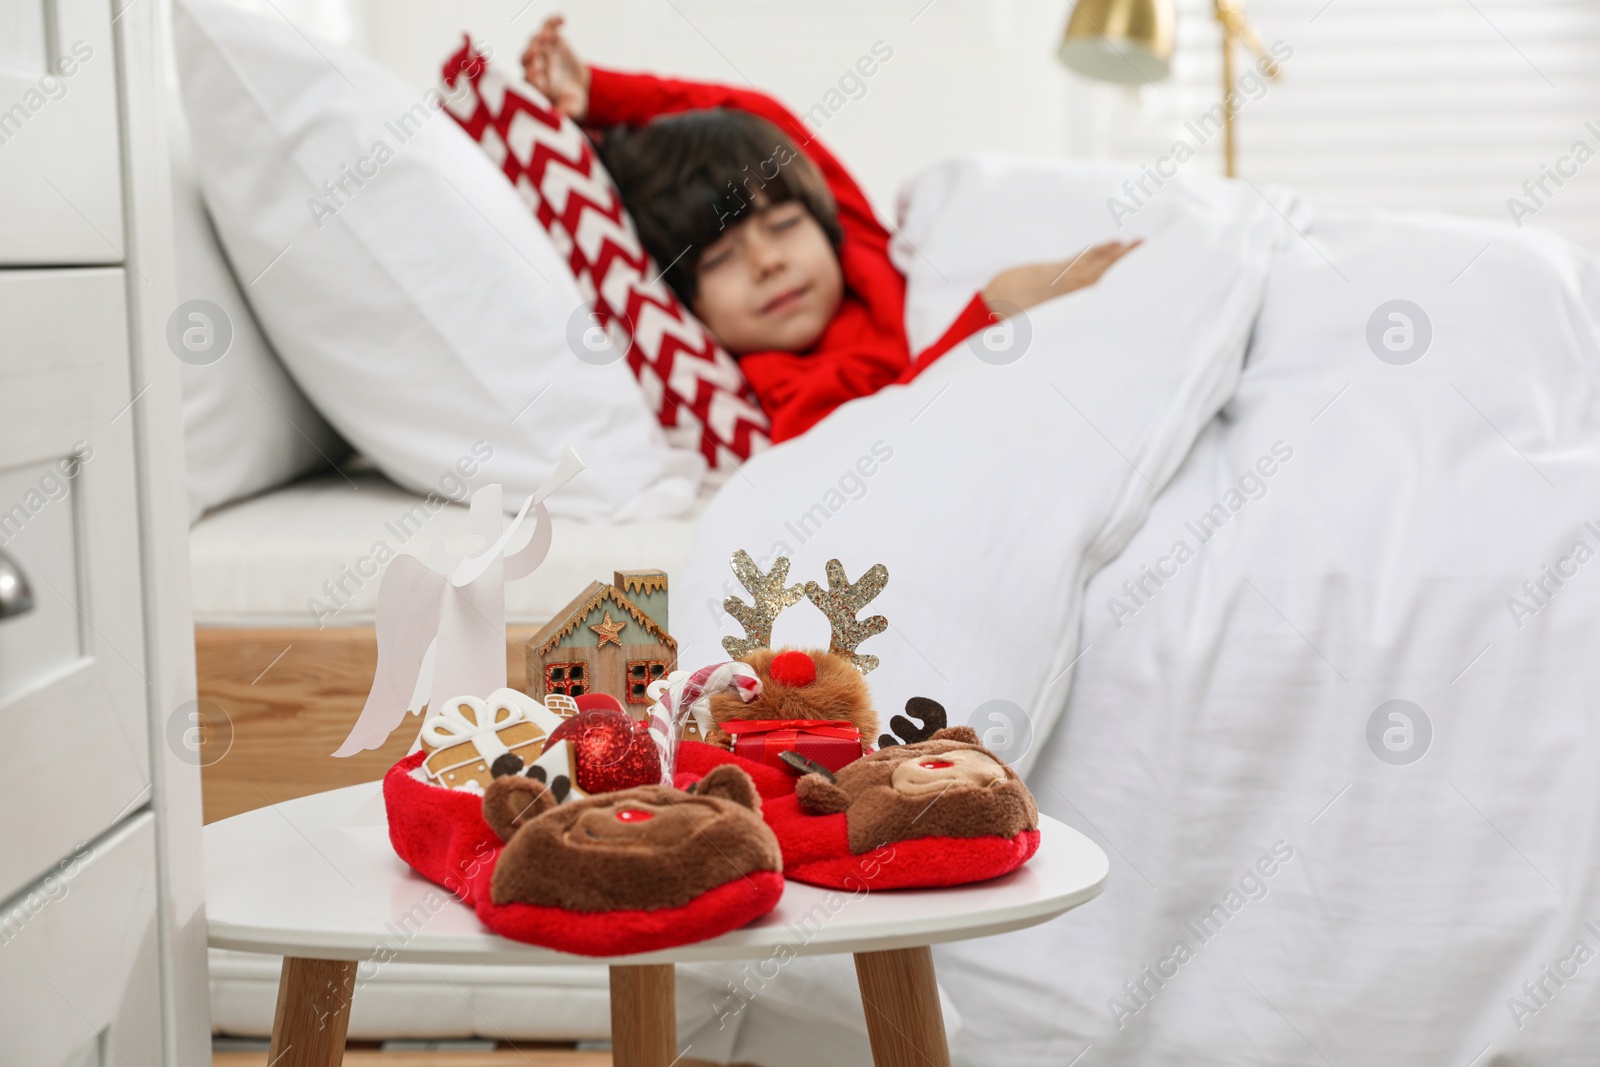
point(831, 742)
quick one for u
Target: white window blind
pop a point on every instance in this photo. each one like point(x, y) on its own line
point(1442, 105)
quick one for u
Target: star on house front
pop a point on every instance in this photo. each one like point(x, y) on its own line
point(609, 630)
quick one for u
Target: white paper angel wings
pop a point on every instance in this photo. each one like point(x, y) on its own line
point(442, 629)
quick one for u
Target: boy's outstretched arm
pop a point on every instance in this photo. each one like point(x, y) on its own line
point(595, 96)
point(1034, 283)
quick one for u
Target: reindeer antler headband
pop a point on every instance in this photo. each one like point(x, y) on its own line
point(839, 602)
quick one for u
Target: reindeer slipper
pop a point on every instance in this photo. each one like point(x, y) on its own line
point(433, 798)
point(439, 832)
point(931, 807)
point(941, 810)
point(636, 870)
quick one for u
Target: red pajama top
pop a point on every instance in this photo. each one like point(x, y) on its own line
point(864, 347)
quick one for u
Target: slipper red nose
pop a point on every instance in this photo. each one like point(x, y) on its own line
point(793, 668)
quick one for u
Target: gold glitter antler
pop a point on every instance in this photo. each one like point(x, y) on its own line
point(840, 602)
point(768, 597)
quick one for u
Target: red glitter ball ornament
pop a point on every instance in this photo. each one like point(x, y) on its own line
point(611, 750)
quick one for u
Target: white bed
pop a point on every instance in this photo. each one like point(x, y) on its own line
point(263, 562)
point(1351, 880)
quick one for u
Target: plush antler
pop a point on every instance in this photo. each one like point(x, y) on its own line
point(840, 602)
point(768, 597)
point(930, 713)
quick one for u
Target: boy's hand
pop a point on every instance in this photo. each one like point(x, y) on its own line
point(1034, 283)
point(553, 68)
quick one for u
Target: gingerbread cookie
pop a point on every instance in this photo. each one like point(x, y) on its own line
point(469, 734)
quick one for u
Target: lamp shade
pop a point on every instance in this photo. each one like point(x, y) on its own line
point(1119, 40)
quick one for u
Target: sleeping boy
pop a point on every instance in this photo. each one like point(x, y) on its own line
point(766, 237)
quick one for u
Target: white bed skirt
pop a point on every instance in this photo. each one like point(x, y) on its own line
point(311, 554)
point(429, 1000)
point(817, 1020)
point(413, 1000)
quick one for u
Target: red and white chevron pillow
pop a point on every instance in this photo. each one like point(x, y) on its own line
point(694, 386)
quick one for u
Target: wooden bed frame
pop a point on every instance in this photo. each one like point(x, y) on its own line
point(277, 702)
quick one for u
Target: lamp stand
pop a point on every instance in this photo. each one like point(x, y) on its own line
point(1236, 29)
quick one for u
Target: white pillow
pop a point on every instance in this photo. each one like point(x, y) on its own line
point(246, 426)
point(402, 281)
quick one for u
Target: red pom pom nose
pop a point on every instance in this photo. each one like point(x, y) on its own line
point(793, 668)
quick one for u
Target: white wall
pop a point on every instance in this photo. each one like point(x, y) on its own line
point(965, 76)
point(1437, 105)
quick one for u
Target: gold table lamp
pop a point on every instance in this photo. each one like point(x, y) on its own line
point(1130, 41)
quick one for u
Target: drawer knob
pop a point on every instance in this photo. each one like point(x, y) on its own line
point(16, 598)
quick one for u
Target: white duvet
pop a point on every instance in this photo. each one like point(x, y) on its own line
point(1222, 514)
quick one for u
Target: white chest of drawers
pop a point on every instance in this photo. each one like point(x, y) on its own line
point(102, 937)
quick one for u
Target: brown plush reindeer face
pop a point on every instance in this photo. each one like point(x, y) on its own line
point(642, 848)
point(946, 786)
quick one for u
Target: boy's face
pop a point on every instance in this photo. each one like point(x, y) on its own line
point(770, 282)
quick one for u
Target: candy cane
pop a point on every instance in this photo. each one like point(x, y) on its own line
point(682, 693)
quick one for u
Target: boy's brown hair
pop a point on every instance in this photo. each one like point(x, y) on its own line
point(687, 177)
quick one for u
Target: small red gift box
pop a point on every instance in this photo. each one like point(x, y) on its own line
point(832, 743)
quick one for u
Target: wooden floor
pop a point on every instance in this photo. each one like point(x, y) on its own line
point(278, 702)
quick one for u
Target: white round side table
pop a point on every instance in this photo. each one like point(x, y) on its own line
point(315, 881)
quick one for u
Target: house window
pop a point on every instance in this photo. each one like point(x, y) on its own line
point(569, 678)
point(641, 672)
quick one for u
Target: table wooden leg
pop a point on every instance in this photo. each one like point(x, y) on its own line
point(313, 1012)
point(901, 999)
point(644, 1016)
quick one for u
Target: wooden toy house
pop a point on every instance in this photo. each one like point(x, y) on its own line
point(609, 639)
